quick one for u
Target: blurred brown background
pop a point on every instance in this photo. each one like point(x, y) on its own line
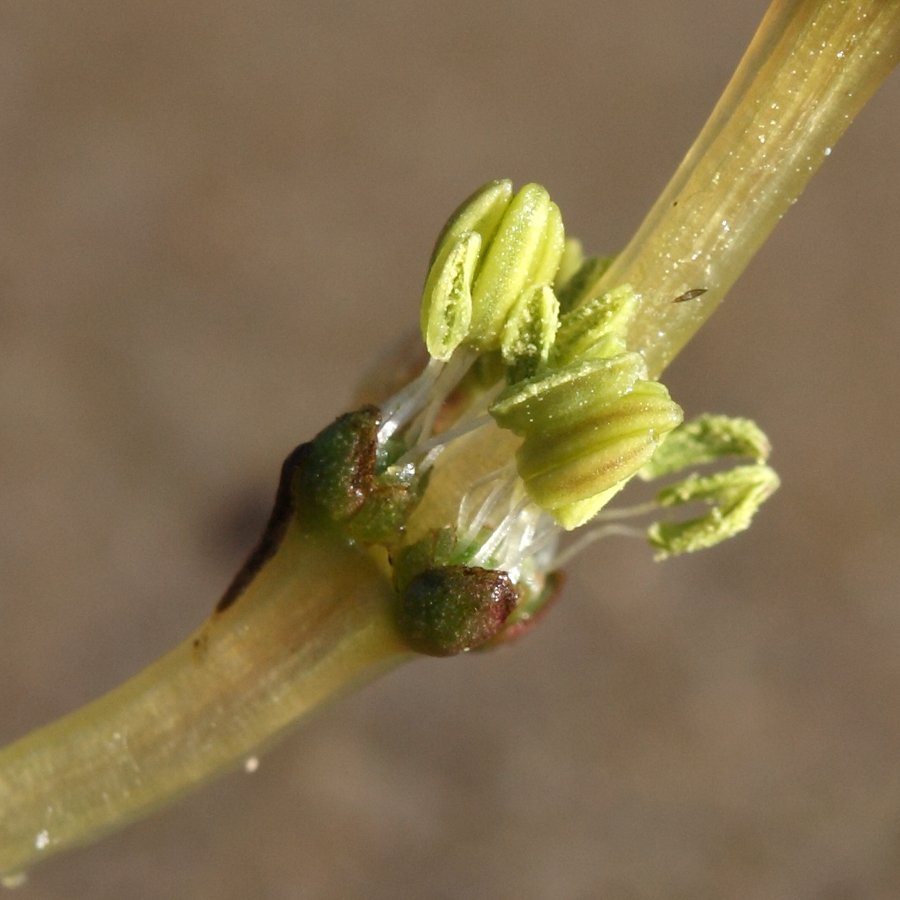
point(213, 216)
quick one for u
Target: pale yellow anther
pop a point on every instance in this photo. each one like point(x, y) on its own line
point(530, 330)
point(520, 244)
point(569, 263)
point(597, 328)
point(733, 498)
point(577, 287)
point(587, 429)
point(525, 250)
point(559, 398)
point(707, 439)
point(481, 213)
point(447, 306)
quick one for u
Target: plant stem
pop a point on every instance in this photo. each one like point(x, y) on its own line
point(315, 619)
point(313, 622)
point(809, 70)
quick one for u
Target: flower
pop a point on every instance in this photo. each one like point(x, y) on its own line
point(531, 414)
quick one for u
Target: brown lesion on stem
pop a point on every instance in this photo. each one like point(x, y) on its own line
point(334, 483)
point(273, 534)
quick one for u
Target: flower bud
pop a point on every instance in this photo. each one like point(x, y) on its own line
point(450, 609)
point(343, 479)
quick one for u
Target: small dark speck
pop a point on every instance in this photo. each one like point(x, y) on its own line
point(200, 644)
point(674, 203)
point(690, 295)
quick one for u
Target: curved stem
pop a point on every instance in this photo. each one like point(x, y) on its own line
point(313, 622)
point(809, 70)
point(314, 618)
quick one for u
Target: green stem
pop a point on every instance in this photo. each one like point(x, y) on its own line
point(809, 70)
point(316, 618)
point(313, 622)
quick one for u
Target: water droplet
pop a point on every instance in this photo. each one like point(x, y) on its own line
point(251, 764)
point(14, 881)
point(828, 151)
point(761, 138)
point(42, 840)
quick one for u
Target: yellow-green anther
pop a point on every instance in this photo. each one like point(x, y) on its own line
point(569, 263)
point(481, 213)
point(595, 329)
point(734, 498)
point(525, 250)
point(560, 398)
point(529, 331)
point(447, 302)
point(446, 297)
point(562, 469)
point(578, 287)
point(704, 440)
point(546, 265)
point(587, 429)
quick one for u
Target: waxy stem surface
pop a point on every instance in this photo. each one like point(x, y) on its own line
point(315, 621)
point(810, 68)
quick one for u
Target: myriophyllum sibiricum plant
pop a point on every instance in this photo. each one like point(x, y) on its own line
point(430, 523)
